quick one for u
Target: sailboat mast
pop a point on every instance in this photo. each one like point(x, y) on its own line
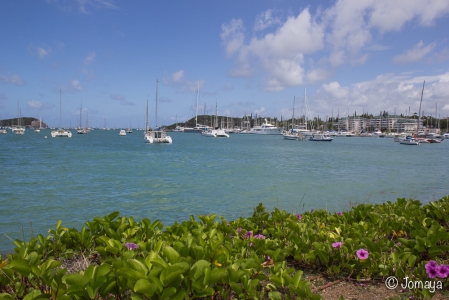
point(419, 115)
point(196, 113)
point(81, 112)
point(60, 110)
point(293, 114)
point(157, 85)
point(146, 119)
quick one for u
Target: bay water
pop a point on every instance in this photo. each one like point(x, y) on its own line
point(43, 180)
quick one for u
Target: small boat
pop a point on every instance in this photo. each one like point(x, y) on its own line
point(61, 132)
point(378, 134)
point(122, 132)
point(320, 138)
point(293, 136)
point(159, 135)
point(409, 140)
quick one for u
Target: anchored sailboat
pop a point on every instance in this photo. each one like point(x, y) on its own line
point(60, 132)
point(158, 135)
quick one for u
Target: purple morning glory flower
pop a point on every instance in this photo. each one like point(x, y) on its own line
point(443, 271)
point(337, 245)
point(362, 254)
point(299, 216)
point(339, 213)
point(259, 236)
point(432, 272)
point(131, 246)
point(268, 258)
point(431, 264)
point(239, 230)
point(251, 244)
point(248, 234)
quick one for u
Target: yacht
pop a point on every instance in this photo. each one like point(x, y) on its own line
point(159, 135)
point(122, 132)
point(378, 134)
point(320, 138)
point(266, 128)
point(61, 132)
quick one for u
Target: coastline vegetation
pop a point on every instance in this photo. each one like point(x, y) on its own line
point(260, 257)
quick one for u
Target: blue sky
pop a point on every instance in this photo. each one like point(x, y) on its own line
point(251, 57)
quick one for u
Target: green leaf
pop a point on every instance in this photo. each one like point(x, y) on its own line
point(172, 272)
point(197, 269)
point(144, 286)
point(168, 292)
point(32, 295)
point(207, 273)
point(171, 254)
point(297, 278)
point(138, 266)
point(21, 266)
point(77, 280)
point(218, 276)
point(236, 287)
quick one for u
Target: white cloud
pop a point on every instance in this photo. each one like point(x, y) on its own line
point(259, 111)
point(83, 5)
point(34, 104)
point(42, 53)
point(178, 76)
point(265, 20)
point(387, 92)
point(75, 84)
point(90, 58)
point(279, 54)
point(417, 53)
point(121, 99)
point(12, 79)
point(341, 34)
point(182, 84)
point(37, 105)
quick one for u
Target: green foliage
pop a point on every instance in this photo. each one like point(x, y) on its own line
point(206, 257)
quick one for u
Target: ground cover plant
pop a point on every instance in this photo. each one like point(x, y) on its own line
point(260, 257)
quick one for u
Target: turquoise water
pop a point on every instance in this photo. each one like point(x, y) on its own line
point(78, 178)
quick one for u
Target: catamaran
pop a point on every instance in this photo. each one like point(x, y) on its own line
point(159, 135)
point(61, 132)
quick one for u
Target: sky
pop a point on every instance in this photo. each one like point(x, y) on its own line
point(247, 57)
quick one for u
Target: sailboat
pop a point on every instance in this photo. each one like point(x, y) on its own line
point(158, 135)
point(40, 126)
point(81, 130)
point(60, 132)
point(293, 135)
point(409, 140)
point(20, 130)
point(215, 131)
point(198, 128)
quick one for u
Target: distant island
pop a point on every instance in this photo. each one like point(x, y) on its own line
point(25, 121)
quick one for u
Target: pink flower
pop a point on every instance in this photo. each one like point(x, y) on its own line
point(248, 234)
point(251, 244)
point(259, 236)
point(432, 272)
point(337, 245)
point(239, 230)
point(299, 216)
point(339, 214)
point(268, 258)
point(131, 246)
point(443, 271)
point(431, 264)
point(362, 254)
